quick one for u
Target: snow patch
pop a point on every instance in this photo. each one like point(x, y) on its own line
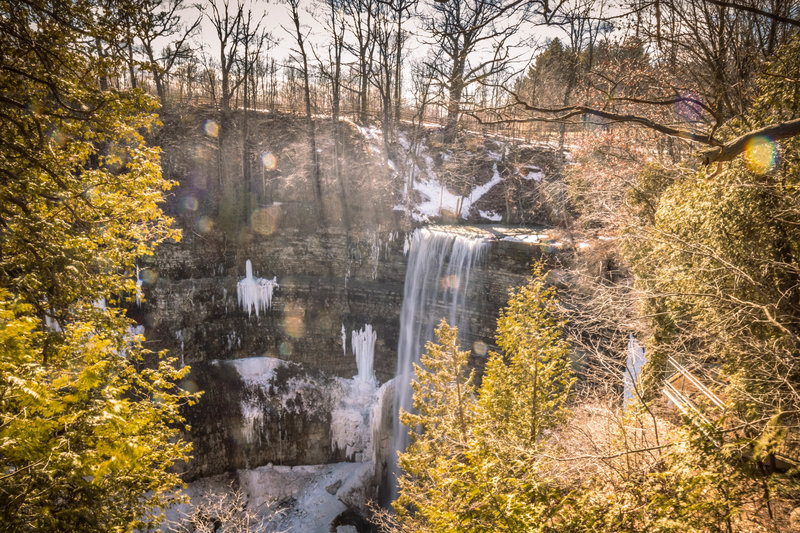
point(255, 370)
point(529, 239)
point(490, 215)
point(256, 373)
point(436, 197)
point(534, 173)
point(301, 492)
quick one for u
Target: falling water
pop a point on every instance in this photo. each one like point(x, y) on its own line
point(436, 285)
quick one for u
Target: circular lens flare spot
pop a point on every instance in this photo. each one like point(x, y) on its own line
point(204, 224)
point(211, 128)
point(480, 348)
point(58, 138)
point(294, 320)
point(264, 220)
point(285, 349)
point(148, 276)
point(190, 203)
point(269, 160)
point(688, 107)
point(761, 154)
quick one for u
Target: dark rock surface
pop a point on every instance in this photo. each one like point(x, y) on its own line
point(330, 274)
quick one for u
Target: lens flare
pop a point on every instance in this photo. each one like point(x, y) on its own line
point(148, 276)
point(294, 320)
point(480, 348)
point(264, 220)
point(451, 282)
point(190, 203)
point(761, 154)
point(211, 128)
point(269, 160)
point(285, 348)
point(58, 138)
point(204, 224)
point(688, 107)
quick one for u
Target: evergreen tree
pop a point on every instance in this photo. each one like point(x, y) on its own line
point(717, 256)
point(436, 477)
point(474, 461)
point(89, 421)
point(524, 391)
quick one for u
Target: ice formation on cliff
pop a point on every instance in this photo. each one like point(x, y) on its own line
point(255, 294)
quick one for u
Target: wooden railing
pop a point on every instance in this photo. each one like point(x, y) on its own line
point(698, 402)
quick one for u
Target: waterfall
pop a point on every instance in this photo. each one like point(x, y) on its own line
point(437, 280)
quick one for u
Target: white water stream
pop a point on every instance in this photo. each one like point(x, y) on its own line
point(436, 287)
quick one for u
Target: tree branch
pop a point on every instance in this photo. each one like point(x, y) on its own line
point(731, 149)
point(756, 11)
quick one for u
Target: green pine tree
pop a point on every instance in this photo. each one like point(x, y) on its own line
point(89, 420)
point(436, 477)
point(525, 389)
point(473, 463)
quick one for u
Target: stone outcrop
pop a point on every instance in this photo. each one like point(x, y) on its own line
point(332, 275)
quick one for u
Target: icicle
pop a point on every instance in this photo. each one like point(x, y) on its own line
point(255, 293)
point(51, 323)
point(364, 349)
point(344, 341)
point(633, 367)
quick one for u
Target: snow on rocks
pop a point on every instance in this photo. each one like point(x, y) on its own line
point(256, 373)
point(534, 173)
point(255, 294)
point(437, 198)
point(293, 499)
point(309, 497)
point(490, 215)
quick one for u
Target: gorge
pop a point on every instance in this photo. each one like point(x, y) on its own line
point(302, 336)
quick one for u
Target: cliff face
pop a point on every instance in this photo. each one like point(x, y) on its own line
point(277, 385)
point(327, 280)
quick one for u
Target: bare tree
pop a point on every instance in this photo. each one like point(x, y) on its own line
point(155, 21)
point(461, 28)
point(359, 14)
point(382, 79)
point(302, 57)
point(401, 10)
point(253, 39)
point(698, 58)
point(335, 23)
point(226, 21)
point(421, 80)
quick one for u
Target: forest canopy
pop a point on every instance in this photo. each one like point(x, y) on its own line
point(89, 420)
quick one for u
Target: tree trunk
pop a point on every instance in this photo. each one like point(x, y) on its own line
point(397, 71)
point(455, 89)
point(363, 92)
point(246, 178)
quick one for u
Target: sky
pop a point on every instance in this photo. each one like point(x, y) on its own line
point(277, 21)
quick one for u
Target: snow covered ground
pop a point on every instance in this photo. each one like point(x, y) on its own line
point(301, 499)
point(291, 499)
point(437, 198)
